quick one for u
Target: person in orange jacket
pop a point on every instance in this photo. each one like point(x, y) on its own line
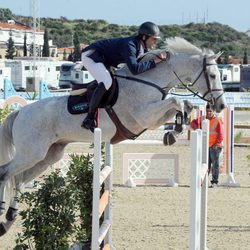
point(216, 136)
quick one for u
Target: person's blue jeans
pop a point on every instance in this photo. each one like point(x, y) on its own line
point(214, 155)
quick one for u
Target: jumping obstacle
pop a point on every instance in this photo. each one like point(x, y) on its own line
point(199, 188)
point(227, 166)
point(150, 169)
point(229, 148)
point(102, 205)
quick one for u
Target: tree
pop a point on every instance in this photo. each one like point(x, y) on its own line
point(70, 57)
point(64, 54)
point(45, 52)
point(5, 15)
point(77, 48)
point(10, 52)
point(25, 45)
point(226, 59)
point(245, 57)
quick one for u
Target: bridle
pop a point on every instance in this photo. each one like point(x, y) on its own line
point(209, 89)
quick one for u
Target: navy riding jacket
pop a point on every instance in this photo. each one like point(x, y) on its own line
point(114, 51)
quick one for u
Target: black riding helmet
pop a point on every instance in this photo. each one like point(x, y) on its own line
point(149, 29)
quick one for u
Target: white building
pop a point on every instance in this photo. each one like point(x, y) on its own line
point(26, 74)
point(17, 31)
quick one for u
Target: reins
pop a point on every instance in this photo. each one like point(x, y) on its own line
point(204, 70)
point(144, 82)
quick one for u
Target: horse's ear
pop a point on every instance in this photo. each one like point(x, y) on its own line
point(216, 56)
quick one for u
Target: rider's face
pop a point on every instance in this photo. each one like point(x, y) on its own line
point(151, 42)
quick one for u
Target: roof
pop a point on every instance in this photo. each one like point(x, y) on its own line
point(70, 49)
point(14, 26)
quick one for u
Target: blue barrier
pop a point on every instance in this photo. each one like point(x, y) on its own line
point(237, 99)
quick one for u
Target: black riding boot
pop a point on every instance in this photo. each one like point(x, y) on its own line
point(90, 121)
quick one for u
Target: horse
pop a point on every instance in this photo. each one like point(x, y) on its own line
point(34, 137)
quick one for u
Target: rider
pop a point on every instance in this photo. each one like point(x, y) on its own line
point(99, 56)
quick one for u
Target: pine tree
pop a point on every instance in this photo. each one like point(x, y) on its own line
point(64, 54)
point(25, 45)
point(70, 57)
point(77, 48)
point(10, 52)
point(245, 57)
point(45, 52)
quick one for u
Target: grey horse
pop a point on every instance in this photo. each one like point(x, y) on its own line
point(34, 137)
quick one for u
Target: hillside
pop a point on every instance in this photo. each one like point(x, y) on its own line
point(210, 35)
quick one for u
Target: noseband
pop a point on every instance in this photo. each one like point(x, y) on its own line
point(209, 89)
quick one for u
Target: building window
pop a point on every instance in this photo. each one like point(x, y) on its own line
point(48, 69)
point(27, 68)
point(1, 72)
point(77, 75)
point(86, 76)
point(58, 68)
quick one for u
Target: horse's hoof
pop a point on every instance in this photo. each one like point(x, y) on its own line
point(11, 214)
point(2, 230)
point(169, 139)
point(178, 128)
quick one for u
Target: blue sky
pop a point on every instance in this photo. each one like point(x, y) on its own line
point(133, 12)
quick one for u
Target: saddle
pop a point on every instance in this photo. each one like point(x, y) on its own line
point(80, 96)
point(78, 103)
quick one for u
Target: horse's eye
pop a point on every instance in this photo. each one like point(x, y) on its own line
point(212, 76)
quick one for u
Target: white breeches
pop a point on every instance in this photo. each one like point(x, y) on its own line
point(97, 70)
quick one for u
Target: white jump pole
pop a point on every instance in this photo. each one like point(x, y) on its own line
point(230, 156)
point(198, 188)
point(101, 204)
point(96, 189)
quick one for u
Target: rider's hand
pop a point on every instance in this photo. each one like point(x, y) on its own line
point(161, 57)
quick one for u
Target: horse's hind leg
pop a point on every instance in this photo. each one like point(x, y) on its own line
point(2, 199)
point(54, 154)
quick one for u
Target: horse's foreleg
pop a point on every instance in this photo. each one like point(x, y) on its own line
point(159, 112)
point(165, 110)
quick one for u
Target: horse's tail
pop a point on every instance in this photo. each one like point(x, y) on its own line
point(7, 148)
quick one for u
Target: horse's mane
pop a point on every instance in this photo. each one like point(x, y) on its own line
point(180, 45)
point(177, 45)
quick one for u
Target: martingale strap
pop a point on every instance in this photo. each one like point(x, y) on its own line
point(122, 133)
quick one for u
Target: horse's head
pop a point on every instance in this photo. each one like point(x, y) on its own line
point(199, 72)
point(210, 82)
